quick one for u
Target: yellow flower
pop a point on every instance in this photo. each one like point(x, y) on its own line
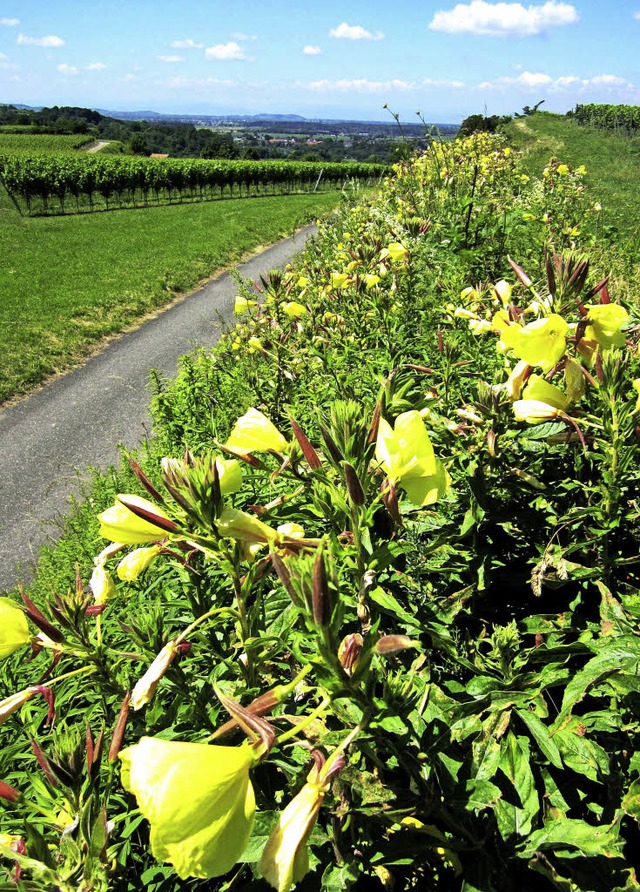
point(136, 562)
point(254, 344)
point(516, 379)
point(542, 391)
point(14, 702)
point(371, 280)
point(120, 524)
point(285, 860)
point(339, 280)
point(562, 169)
point(14, 629)
point(541, 343)
point(242, 304)
point(406, 455)
point(535, 411)
point(294, 309)
point(101, 584)
point(395, 252)
point(503, 292)
point(255, 433)
point(636, 387)
point(234, 524)
point(198, 800)
point(605, 323)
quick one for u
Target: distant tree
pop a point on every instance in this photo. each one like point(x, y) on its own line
point(482, 124)
point(251, 154)
point(529, 110)
point(138, 144)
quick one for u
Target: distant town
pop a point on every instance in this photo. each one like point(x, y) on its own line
point(253, 137)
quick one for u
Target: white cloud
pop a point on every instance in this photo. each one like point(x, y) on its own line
point(171, 59)
point(244, 36)
point(361, 85)
point(442, 84)
point(68, 69)
point(50, 41)
point(541, 82)
point(636, 16)
point(224, 52)
point(354, 32)
point(503, 19)
point(528, 79)
point(95, 66)
point(609, 80)
point(186, 44)
point(312, 50)
point(11, 23)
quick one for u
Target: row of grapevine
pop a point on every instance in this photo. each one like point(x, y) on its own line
point(608, 116)
point(50, 182)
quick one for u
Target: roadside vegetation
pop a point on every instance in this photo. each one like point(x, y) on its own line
point(363, 613)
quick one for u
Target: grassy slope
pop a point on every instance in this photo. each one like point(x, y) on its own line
point(67, 282)
point(612, 162)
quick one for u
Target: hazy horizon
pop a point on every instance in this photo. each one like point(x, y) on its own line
point(214, 57)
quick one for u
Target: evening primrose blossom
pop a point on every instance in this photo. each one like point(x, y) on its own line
point(406, 455)
point(253, 432)
point(120, 524)
point(198, 800)
point(540, 343)
point(605, 323)
point(136, 562)
point(14, 629)
point(293, 309)
point(285, 859)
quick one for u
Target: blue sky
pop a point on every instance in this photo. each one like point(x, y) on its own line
point(446, 59)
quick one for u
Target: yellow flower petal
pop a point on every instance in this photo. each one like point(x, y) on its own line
point(198, 800)
point(14, 629)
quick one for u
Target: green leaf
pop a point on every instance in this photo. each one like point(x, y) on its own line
point(631, 801)
point(598, 668)
point(519, 806)
point(581, 754)
point(392, 606)
point(540, 734)
point(572, 833)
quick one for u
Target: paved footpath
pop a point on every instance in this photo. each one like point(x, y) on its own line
point(49, 440)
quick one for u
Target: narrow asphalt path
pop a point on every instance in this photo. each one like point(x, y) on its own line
point(50, 440)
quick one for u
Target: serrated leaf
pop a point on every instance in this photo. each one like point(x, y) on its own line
point(540, 734)
point(582, 755)
point(517, 809)
point(542, 431)
point(574, 834)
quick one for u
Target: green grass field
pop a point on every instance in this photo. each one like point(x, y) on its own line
point(68, 282)
point(612, 161)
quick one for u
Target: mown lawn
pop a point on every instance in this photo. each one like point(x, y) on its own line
point(612, 161)
point(67, 282)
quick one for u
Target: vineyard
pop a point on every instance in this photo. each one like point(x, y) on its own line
point(26, 142)
point(609, 117)
point(64, 183)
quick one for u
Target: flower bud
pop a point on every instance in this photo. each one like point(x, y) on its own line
point(146, 687)
point(349, 652)
point(102, 585)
